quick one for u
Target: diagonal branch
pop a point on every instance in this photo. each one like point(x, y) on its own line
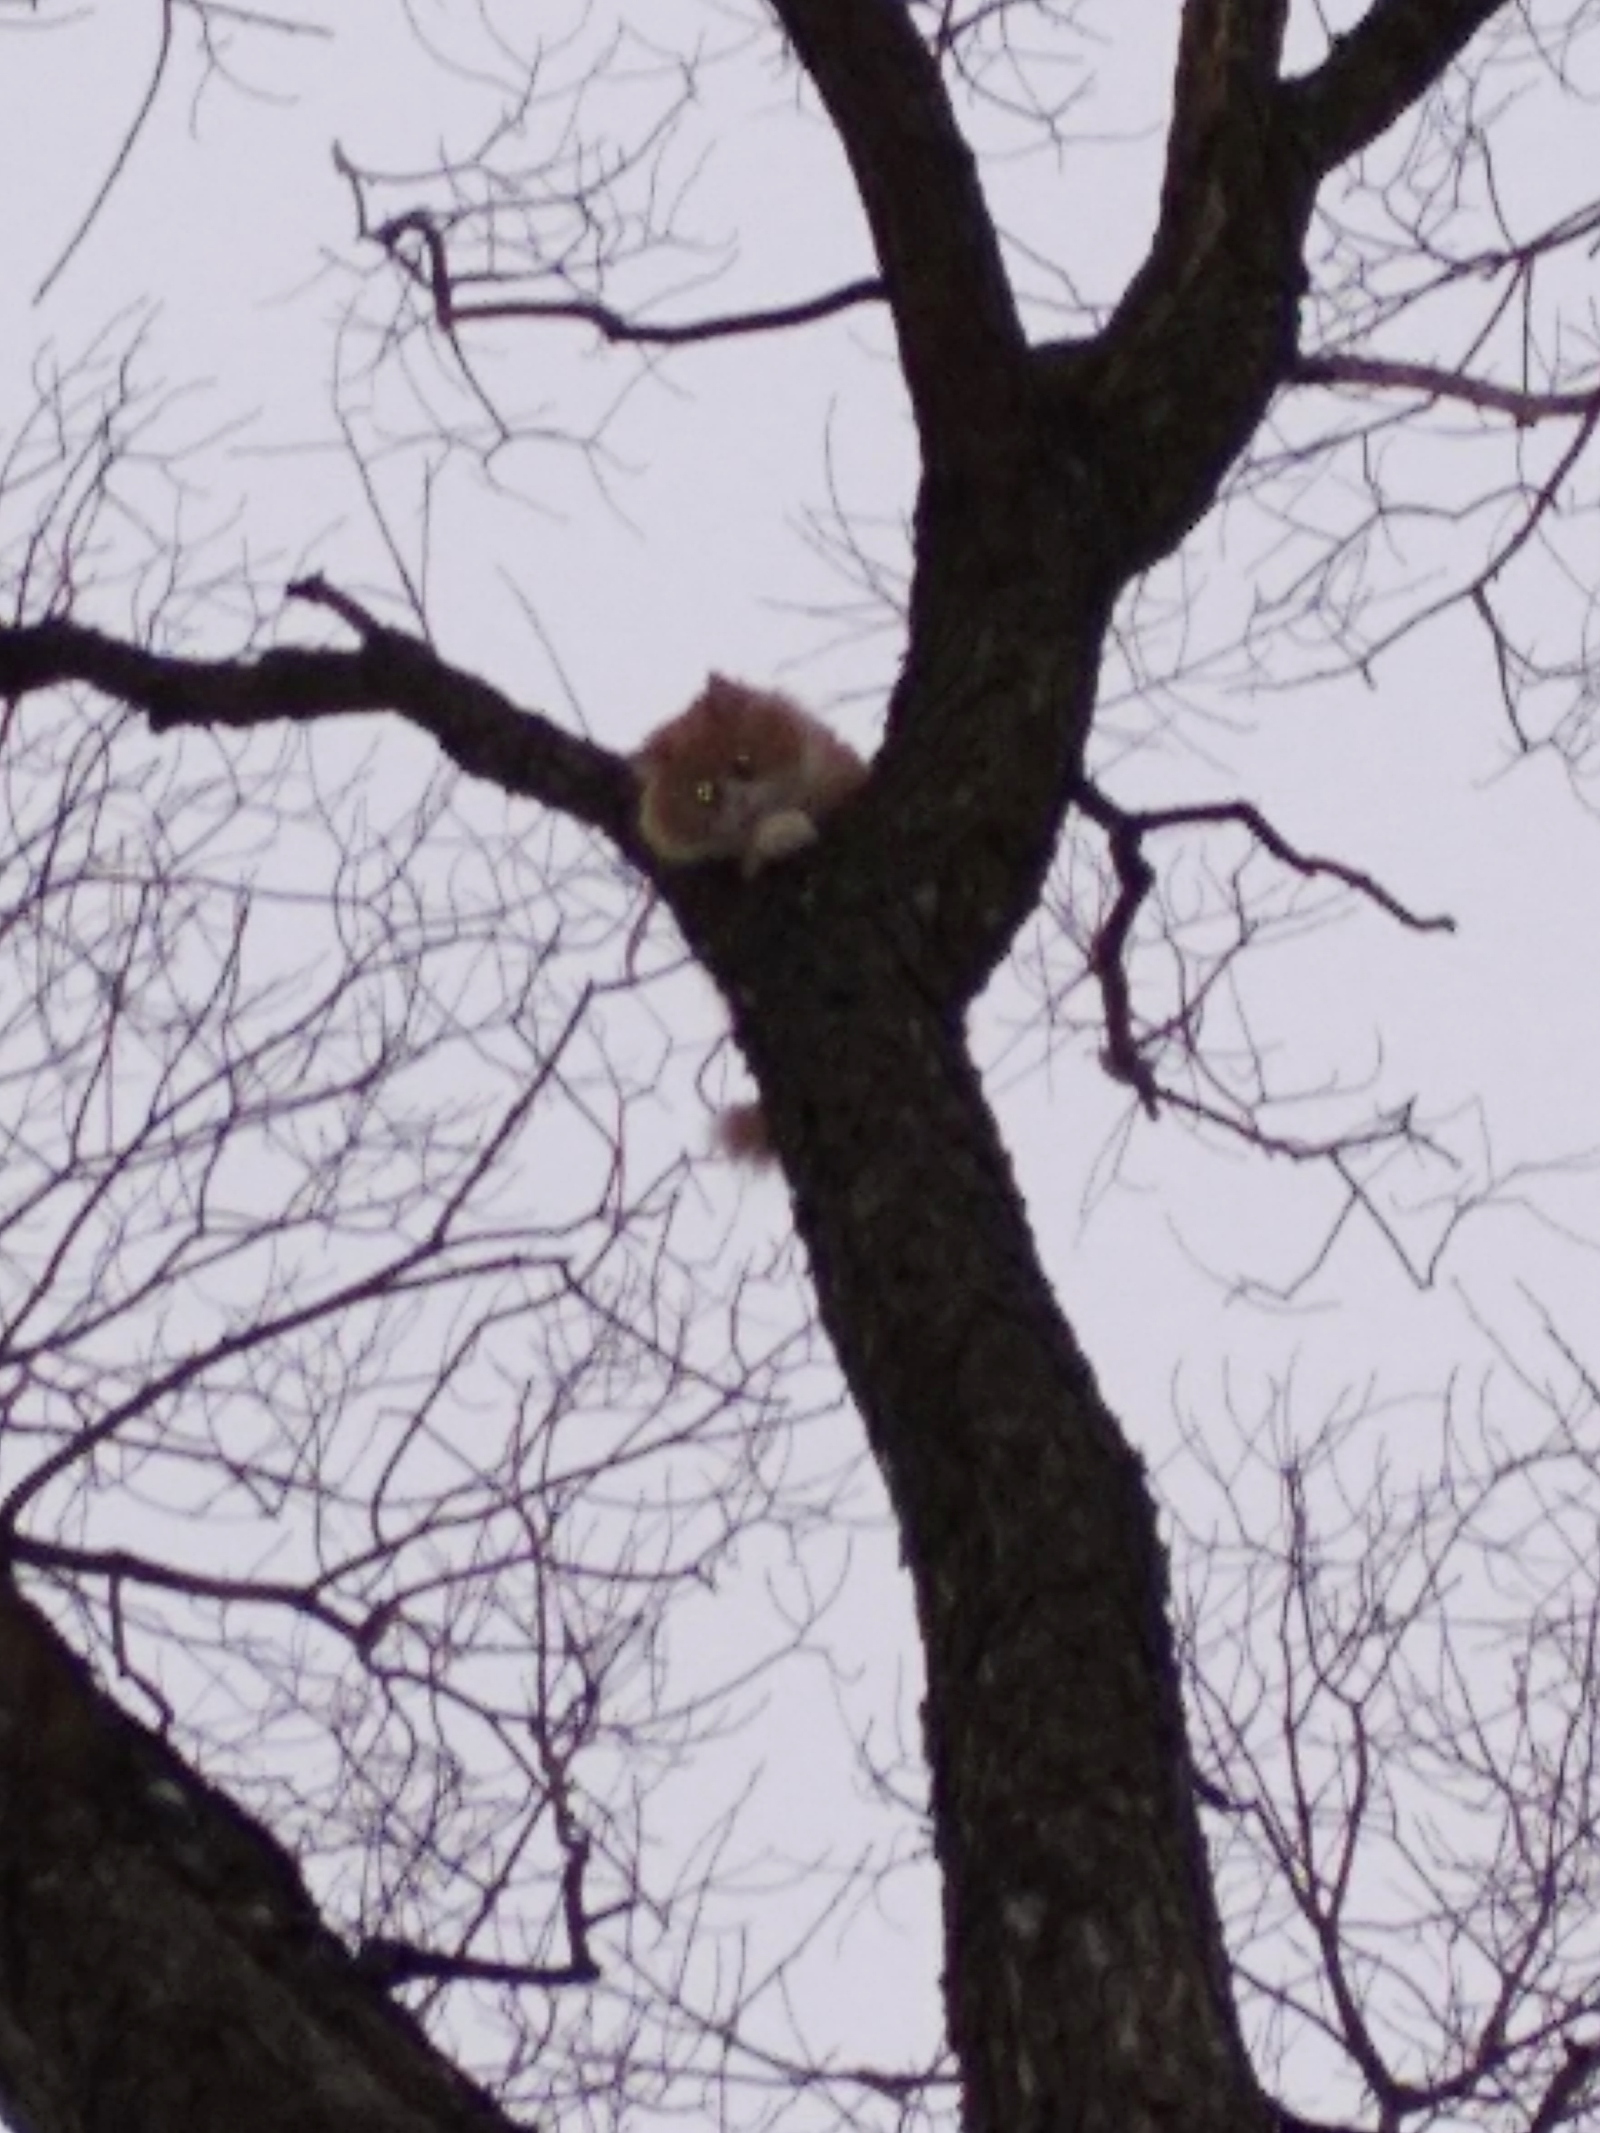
point(1125, 830)
point(961, 342)
point(1434, 382)
point(481, 731)
point(1376, 73)
point(146, 1911)
point(1572, 2078)
point(1206, 332)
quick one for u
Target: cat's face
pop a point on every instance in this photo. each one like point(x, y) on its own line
point(711, 776)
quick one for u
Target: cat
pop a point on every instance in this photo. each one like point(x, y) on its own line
point(744, 774)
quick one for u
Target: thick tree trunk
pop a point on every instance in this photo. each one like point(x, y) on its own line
point(1084, 1969)
point(162, 1969)
point(1085, 1976)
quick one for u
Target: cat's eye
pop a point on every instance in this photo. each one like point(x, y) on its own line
point(706, 792)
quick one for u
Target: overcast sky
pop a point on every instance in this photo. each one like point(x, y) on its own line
point(601, 585)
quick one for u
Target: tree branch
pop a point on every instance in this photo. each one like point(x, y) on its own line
point(1376, 73)
point(1228, 54)
point(1436, 383)
point(1174, 388)
point(1125, 830)
point(1178, 381)
point(1558, 2106)
point(961, 342)
point(642, 333)
point(611, 325)
point(147, 1912)
point(481, 731)
point(1249, 817)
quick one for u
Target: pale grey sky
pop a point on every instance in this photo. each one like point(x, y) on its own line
point(683, 548)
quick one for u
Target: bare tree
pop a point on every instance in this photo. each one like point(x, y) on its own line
point(1397, 1734)
point(270, 1248)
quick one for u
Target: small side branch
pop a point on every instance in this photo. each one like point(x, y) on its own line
point(119, 160)
point(1435, 383)
point(1108, 953)
point(1310, 864)
point(431, 271)
point(400, 1962)
point(396, 1962)
point(1125, 832)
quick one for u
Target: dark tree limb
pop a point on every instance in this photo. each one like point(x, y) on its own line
point(1432, 381)
point(1228, 57)
point(1125, 831)
point(1175, 386)
point(451, 312)
point(961, 342)
point(1568, 2085)
point(1376, 73)
point(625, 332)
point(481, 731)
point(1172, 390)
point(146, 1916)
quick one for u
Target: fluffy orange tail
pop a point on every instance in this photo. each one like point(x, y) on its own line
point(741, 1133)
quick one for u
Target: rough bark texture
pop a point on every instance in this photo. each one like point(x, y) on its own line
point(1084, 1969)
point(162, 1968)
point(1083, 1965)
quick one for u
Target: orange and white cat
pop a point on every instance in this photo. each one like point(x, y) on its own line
point(742, 774)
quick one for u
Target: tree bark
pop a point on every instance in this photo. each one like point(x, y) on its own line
point(162, 1968)
point(1084, 1969)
